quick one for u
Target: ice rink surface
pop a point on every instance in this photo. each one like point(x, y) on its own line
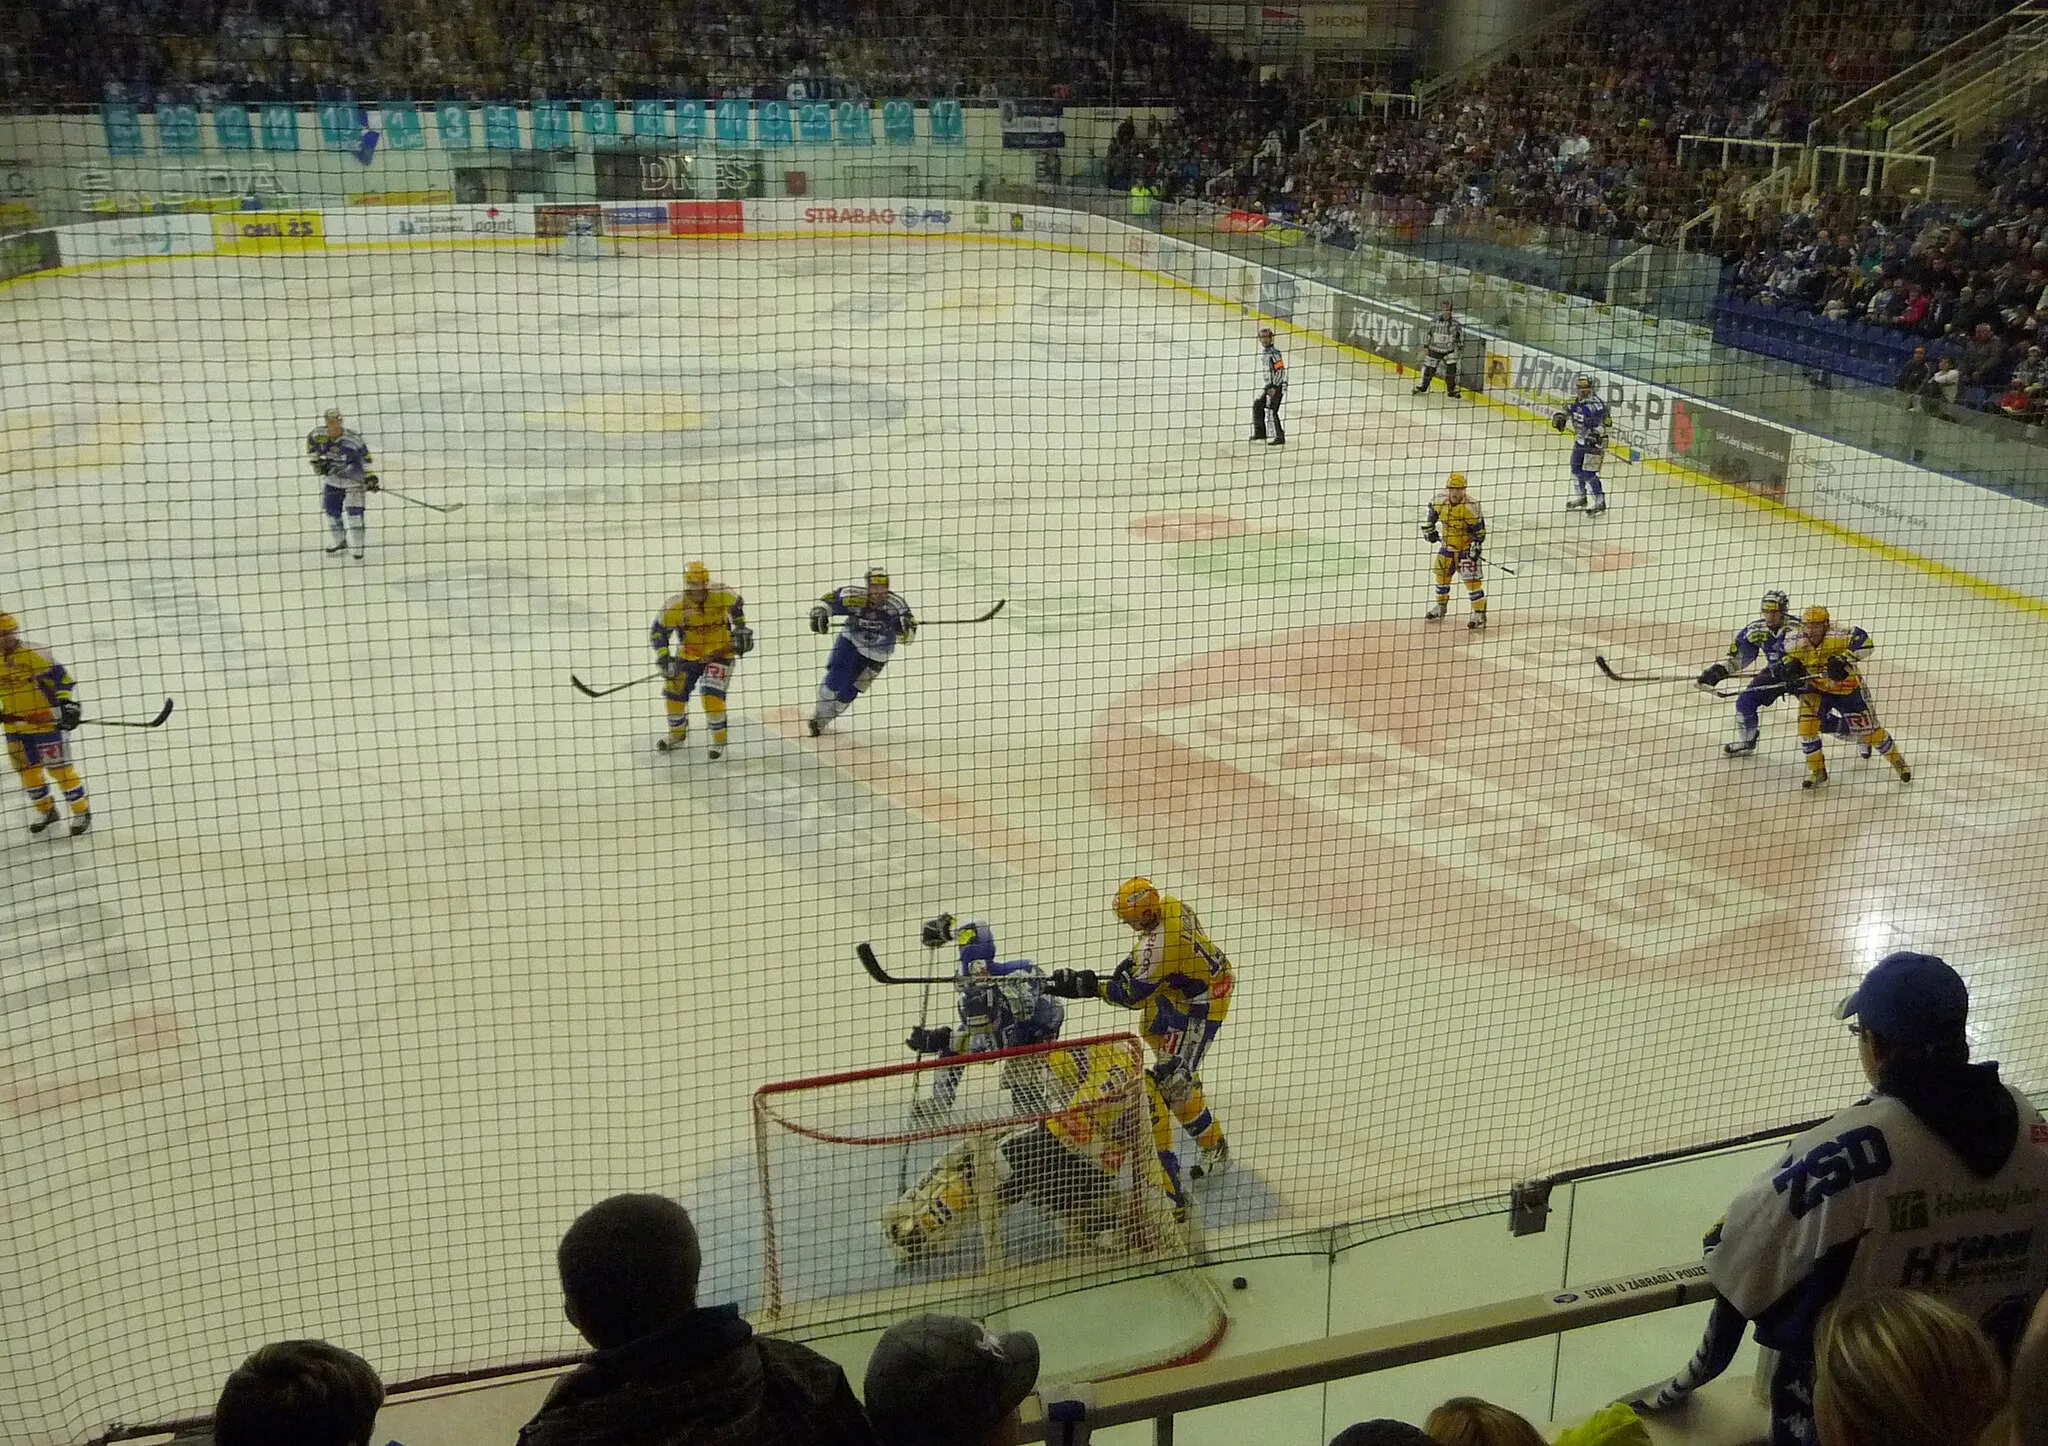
point(392, 952)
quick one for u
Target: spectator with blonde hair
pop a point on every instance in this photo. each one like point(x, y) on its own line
point(1898, 1368)
point(1469, 1421)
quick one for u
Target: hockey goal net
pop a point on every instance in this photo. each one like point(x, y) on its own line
point(965, 1182)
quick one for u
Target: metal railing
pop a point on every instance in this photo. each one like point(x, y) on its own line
point(1911, 88)
point(1160, 1396)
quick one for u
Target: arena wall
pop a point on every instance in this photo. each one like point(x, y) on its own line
point(1905, 513)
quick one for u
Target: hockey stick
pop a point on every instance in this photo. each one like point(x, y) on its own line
point(416, 502)
point(955, 622)
point(589, 692)
point(876, 972)
point(163, 714)
point(1608, 669)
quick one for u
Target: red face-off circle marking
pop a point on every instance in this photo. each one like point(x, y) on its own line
point(1495, 796)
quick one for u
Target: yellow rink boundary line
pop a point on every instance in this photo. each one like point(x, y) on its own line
point(1877, 547)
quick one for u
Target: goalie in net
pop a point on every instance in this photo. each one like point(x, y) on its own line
point(1091, 1148)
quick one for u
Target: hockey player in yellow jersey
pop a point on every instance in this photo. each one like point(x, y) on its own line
point(1069, 1164)
point(1457, 525)
point(1181, 982)
point(708, 623)
point(1822, 667)
point(38, 710)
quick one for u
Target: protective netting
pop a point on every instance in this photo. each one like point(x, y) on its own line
point(1050, 1163)
point(392, 948)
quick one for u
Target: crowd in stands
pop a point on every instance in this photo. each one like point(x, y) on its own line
point(1582, 129)
point(203, 51)
point(1968, 282)
point(1942, 1152)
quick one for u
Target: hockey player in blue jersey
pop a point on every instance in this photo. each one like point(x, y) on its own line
point(1002, 1005)
point(1762, 640)
point(876, 621)
point(341, 459)
point(1586, 418)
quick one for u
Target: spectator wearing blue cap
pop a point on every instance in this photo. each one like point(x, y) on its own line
point(1936, 1181)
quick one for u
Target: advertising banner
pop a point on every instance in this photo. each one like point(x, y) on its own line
point(279, 126)
point(949, 123)
point(642, 220)
point(1639, 414)
point(706, 218)
point(402, 198)
point(1032, 125)
point(551, 126)
point(251, 231)
point(123, 125)
point(1734, 449)
point(555, 222)
point(172, 235)
point(1372, 326)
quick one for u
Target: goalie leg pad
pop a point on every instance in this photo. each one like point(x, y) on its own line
point(935, 1209)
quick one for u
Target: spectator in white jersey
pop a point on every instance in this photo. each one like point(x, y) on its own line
point(1937, 1181)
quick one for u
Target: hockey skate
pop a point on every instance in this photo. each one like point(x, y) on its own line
point(43, 822)
point(1423, 387)
point(339, 546)
point(1435, 613)
point(80, 822)
point(1454, 395)
point(673, 740)
point(1478, 622)
point(716, 752)
point(1745, 744)
point(814, 726)
point(1816, 778)
point(1866, 753)
point(1905, 775)
point(1215, 1160)
point(1577, 504)
point(1599, 505)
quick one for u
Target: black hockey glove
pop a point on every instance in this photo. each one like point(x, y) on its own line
point(742, 640)
point(1073, 984)
point(935, 1040)
point(1430, 534)
point(1838, 669)
point(320, 466)
point(1712, 676)
point(821, 620)
point(936, 933)
point(1791, 674)
point(1559, 420)
point(69, 716)
point(671, 667)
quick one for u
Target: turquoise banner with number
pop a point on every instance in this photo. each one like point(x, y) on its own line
point(856, 123)
point(341, 125)
point(551, 126)
point(123, 125)
point(899, 122)
point(345, 125)
point(177, 129)
point(279, 127)
point(600, 124)
point(402, 128)
point(231, 129)
point(451, 117)
point(734, 122)
point(501, 127)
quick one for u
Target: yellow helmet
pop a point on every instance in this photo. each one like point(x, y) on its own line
point(9, 624)
point(1456, 481)
point(1814, 614)
point(696, 573)
point(1137, 903)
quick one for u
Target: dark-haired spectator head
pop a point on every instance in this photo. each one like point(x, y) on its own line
point(667, 1370)
point(1469, 1421)
point(1382, 1432)
point(942, 1380)
point(629, 1267)
point(1897, 1368)
point(299, 1393)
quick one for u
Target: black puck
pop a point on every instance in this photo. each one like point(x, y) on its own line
point(1238, 1282)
